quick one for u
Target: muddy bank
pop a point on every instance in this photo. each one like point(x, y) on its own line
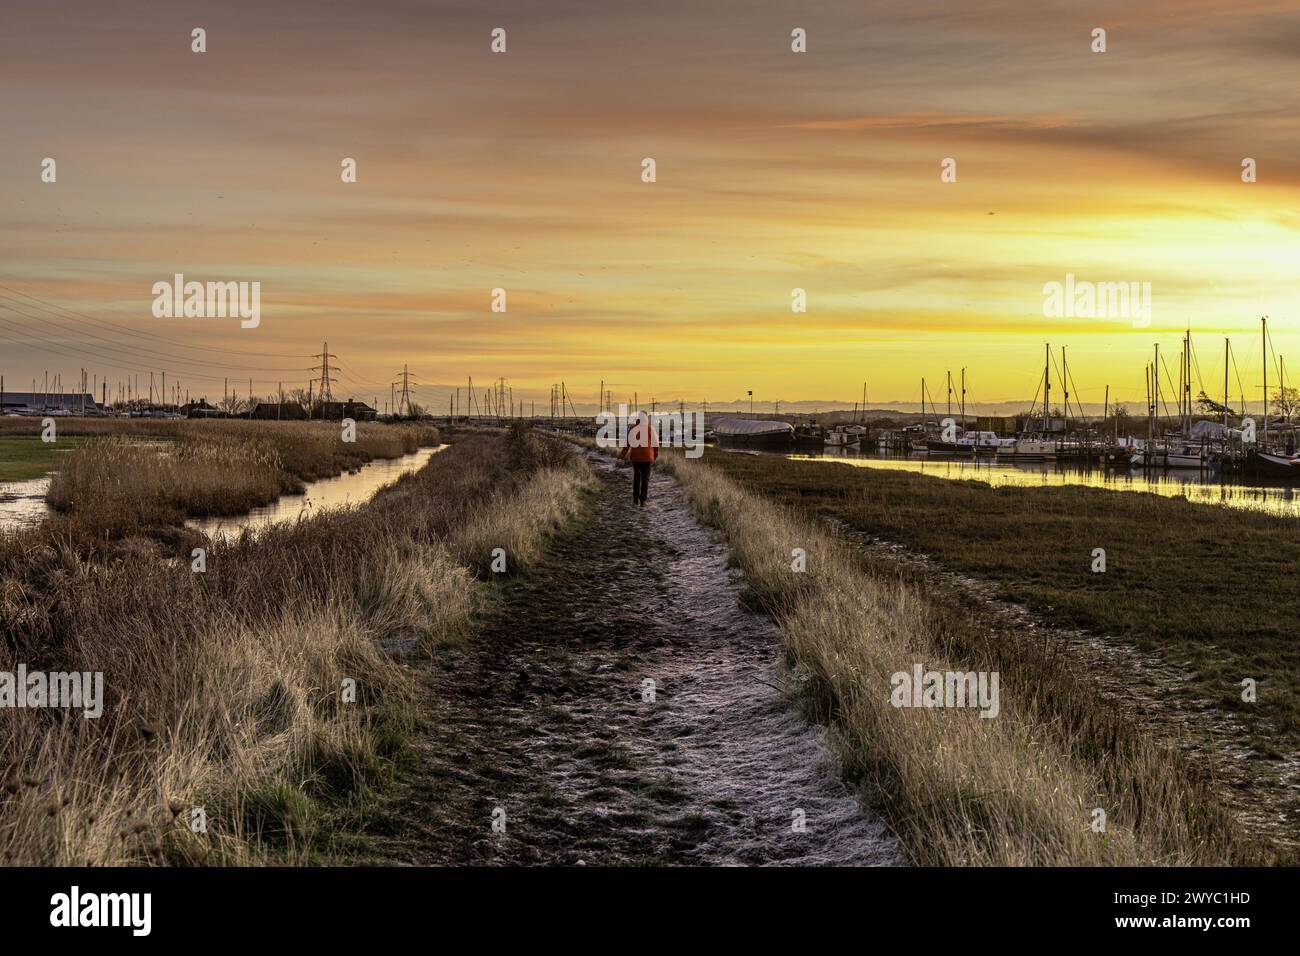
point(620, 707)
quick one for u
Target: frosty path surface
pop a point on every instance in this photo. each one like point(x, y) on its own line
point(543, 716)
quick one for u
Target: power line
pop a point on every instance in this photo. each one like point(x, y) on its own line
point(405, 400)
point(326, 395)
point(81, 355)
point(132, 350)
point(149, 335)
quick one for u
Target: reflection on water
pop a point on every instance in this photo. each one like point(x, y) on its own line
point(350, 489)
point(1201, 487)
point(23, 502)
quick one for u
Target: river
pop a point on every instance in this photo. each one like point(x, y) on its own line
point(352, 488)
point(1204, 488)
point(23, 502)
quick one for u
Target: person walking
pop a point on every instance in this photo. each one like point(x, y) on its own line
point(642, 447)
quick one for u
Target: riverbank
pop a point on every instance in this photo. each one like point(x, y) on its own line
point(1201, 594)
point(350, 488)
point(132, 477)
point(250, 707)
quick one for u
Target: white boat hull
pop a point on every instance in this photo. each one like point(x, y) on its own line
point(1164, 459)
point(1029, 451)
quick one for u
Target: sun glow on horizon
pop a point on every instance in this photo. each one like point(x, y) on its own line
point(775, 171)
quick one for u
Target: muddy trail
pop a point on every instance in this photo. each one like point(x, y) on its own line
point(547, 721)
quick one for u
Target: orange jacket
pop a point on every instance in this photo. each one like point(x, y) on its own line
point(642, 442)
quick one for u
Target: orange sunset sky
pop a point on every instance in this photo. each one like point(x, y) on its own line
point(775, 170)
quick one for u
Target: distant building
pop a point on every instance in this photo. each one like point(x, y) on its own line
point(357, 411)
point(36, 403)
point(279, 411)
point(201, 409)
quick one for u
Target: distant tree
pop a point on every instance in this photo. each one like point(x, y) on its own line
point(298, 396)
point(234, 405)
point(1208, 406)
point(1286, 402)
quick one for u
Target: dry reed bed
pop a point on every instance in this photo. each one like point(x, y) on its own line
point(144, 477)
point(1018, 789)
point(224, 689)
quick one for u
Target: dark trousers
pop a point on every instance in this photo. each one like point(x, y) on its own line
point(641, 479)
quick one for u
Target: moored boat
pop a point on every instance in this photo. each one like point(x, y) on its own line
point(846, 436)
point(1267, 465)
point(982, 443)
point(1174, 454)
point(1029, 448)
point(749, 433)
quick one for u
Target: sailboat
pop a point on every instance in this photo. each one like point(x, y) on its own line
point(1032, 445)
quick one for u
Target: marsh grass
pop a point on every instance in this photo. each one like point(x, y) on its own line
point(1206, 585)
point(125, 477)
point(1019, 789)
point(224, 690)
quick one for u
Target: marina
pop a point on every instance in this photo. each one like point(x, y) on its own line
point(1200, 487)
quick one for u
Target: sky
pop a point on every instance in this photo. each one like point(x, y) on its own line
point(774, 171)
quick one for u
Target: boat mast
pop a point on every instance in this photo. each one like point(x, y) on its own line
point(1065, 386)
point(963, 399)
point(1156, 372)
point(1182, 388)
point(1263, 334)
point(1227, 351)
point(1047, 387)
point(1281, 385)
point(1105, 412)
point(1150, 425)
point(950, 393)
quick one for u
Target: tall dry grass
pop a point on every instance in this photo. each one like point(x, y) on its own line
point(1018, 789)
point(117, 488)
point(518, 526)
point(137, 477)
point(224, 690)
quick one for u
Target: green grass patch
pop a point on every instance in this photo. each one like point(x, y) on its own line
point(25, 457)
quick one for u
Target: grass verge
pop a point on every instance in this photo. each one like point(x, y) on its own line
point(1019, 789)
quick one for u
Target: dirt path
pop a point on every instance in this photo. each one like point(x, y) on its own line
point(546, 717)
